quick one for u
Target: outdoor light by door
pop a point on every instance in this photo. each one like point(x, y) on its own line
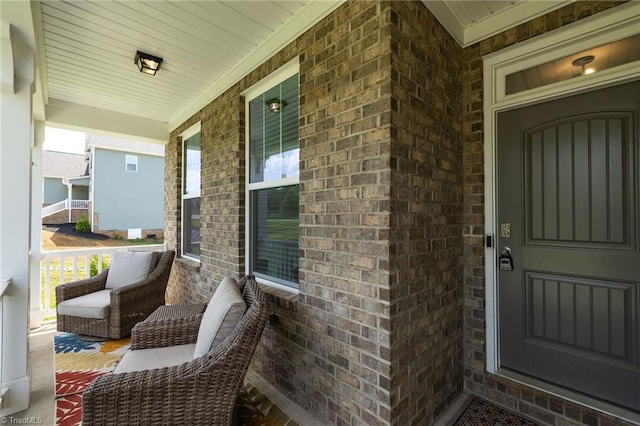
point(582, 62)
point(275, 105)
point(146, 63)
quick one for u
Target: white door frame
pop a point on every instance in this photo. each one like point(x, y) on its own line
point(614, 24)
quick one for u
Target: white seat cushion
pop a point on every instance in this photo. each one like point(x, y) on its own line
point(221, 316)
point(93, 305)
point(128, 267)
point(149, 359)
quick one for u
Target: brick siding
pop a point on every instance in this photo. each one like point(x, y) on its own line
point(391, 219)
point(62, 217)
point(330, 350)
point(426, 224)
point(536, 404)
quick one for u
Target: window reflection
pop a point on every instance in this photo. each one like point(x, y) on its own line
point(191, 223)
point(282, 165)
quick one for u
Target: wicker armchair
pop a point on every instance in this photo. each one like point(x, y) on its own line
point(202, 391)
point(129, 304)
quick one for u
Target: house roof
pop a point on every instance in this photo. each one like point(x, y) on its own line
point(85, 52)
point(64, 164)
point(127, 145)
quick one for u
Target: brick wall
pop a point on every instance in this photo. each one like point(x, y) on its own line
point(222, 199)
point(344, 214)
point(426, 220)
point(330, 350)
point(391, 219)
point(122, 234)
point(62, 217)
point(57, 218)
point(536, 404)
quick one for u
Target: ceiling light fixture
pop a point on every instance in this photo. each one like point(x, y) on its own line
point(582, 62)
point(275, 105)
point(146, 63)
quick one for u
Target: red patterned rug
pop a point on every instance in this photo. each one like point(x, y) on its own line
point(77, 363)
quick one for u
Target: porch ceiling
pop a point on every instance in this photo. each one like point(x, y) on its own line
point(85, 52)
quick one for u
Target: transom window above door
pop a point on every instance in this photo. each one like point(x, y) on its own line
point(581, 63)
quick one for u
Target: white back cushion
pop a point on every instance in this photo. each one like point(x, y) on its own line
point(221, 316)
point(128, 267)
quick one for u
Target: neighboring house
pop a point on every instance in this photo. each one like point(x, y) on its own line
point(65, 177)
point(127, 187)
point(118, 185)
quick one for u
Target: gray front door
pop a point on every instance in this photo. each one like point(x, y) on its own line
point(568, 209)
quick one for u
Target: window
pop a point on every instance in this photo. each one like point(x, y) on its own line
point(577, 64)
point(131, 163)
point(273, 177)
point(191, 194)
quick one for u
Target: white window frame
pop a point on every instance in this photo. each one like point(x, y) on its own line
point(130, 159)
point(616, 24)
point(280, 75)
point(191, 131)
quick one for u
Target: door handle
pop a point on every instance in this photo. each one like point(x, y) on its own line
point(505, 262)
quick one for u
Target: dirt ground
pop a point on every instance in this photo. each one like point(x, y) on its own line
point(61, 237)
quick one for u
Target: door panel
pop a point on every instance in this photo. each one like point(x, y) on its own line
point(585, 206)
point(590, 315)
point(567, 187)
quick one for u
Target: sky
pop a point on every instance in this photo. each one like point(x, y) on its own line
point(62, 140)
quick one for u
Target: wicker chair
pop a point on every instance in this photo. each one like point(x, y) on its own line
point(129, 304)
point(199, 392)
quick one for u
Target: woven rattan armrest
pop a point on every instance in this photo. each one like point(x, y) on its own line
point(80, 288)
point(202, 391)
point(177, 311)
point(161, 331)
point(199, 392)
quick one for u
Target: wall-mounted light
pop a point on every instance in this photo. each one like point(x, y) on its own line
point(582, 62)
point(276, 105)
point(146, 63)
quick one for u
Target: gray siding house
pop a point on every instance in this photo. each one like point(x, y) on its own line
point(127, 189)
point(65, 187)
point(59, 169)
point(121, 182)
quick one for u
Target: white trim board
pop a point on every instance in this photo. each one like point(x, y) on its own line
point(495, 23)
point(275, 78)
point(182, 137)
point(605, 27)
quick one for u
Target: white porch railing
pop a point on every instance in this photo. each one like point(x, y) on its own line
point(79, 204)
point(62, 266)
point(64, 205)
point(4, 287)
point(54, 208)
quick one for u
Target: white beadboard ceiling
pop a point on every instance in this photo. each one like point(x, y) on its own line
point(89, 50)
point(85, 52)
point(470, 21)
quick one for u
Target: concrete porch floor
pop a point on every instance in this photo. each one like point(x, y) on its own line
point(42, 405)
